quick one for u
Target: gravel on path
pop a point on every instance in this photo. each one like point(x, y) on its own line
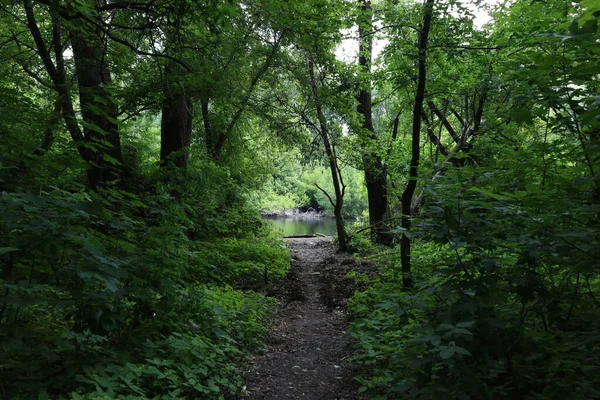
point(308, 347)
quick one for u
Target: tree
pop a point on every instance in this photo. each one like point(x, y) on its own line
point(176, 115)
point(176, 120)
point(409, 191)
point(98, 142)
point(375, 172)
point(336, 173)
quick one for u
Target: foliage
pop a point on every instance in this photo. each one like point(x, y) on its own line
point(294, 185)
point(106, 296)
point(506, 261)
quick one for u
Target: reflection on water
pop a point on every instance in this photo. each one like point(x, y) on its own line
point(291, 226)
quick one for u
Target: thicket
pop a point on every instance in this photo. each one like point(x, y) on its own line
point(113, 295)
point(145, 286)
point(504, 296)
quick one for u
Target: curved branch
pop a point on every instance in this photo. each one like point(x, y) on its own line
point(326, 194)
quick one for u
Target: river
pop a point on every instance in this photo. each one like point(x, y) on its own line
point(294, 226)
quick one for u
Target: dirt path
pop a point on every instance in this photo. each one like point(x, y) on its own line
point(308, 353)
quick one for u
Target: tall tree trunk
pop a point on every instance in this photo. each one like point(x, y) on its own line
point(56, 70)
point(375, 173)
point(176, 124)
point(409, 192)
point(338, 185)
point(98, 109)
point(336, 174)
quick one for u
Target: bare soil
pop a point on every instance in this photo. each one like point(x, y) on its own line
point(308, 347)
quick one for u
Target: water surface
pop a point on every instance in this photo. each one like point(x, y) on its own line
point(294, 226)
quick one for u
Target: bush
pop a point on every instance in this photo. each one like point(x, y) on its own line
point(505, 304)
point(106, 296)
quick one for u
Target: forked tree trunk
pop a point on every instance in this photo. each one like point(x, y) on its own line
point(99, 143)
point(336, 174)
point(409, 192)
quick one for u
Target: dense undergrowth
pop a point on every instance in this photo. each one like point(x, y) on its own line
point(113, 295)
point(506, 298)
point(504, 302)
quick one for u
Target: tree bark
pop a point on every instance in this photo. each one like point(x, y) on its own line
point(375, 172)
point(57, 73)
point(99, 143)
point(407, 195)
point(176, 123)
point(98, 109)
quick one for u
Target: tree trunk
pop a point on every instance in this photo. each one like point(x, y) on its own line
point(375, 173)
point(409, 192)
point(98, 109)
point(86, 143)
point(336, 175)
point(176, 124)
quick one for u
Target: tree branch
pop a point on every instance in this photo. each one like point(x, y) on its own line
point(270, 57)
point(433, 137)
point(326, 194)
point(444, 120)
point(38, 39)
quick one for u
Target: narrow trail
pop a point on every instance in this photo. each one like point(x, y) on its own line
point(308, 348)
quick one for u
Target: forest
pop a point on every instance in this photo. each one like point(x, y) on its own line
point(455, 143)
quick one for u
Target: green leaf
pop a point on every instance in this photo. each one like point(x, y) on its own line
point(461, 350)
point(590, 117)
point(403, 386)
point(573, 27)
point(111, 283)
point(444, 327)
point(490, 194)
point(462, 331)
point(110, 159)
point(447, 353)
point(590, 26)
point(4, 250)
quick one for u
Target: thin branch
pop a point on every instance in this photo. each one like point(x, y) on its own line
point(48, 140)
point(35, 76)
point(253, 83)
point(471, 47)
point(444, 120)
point(458, 117)
point(433, 137)
point(137, 51)
point(591, 292)
point(376, 30)
point(326, 194)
